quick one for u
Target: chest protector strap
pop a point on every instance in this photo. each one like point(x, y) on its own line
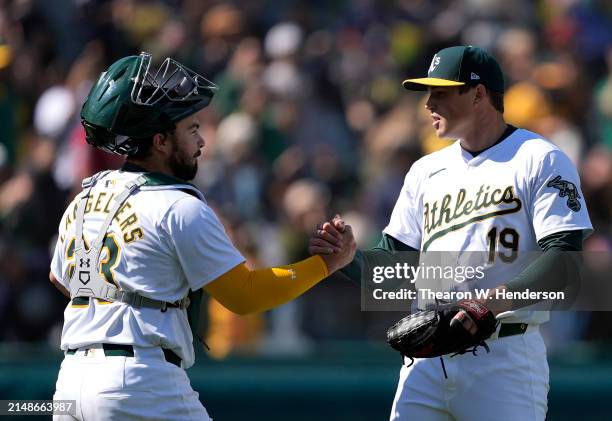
point(86, 280)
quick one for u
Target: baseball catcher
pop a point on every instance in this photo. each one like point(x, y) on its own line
point(137, 242)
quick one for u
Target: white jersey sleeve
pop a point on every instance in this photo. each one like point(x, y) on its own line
point(406, 219)
point(203, 248)
point(56, 261)
point(60, 249)
point(557, 203)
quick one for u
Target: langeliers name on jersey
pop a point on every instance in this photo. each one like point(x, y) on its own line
point(102, 202)
point(454, 207)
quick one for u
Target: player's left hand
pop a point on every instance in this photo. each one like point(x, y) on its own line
point(495, 305)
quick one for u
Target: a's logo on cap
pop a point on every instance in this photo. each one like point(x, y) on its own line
point(434, 63)
point(474, 76)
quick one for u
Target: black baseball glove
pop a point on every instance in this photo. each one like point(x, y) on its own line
point(430, 333)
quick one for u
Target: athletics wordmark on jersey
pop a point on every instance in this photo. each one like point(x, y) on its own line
point(467, 206)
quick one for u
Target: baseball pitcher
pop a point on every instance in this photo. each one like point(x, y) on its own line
point(499, 192)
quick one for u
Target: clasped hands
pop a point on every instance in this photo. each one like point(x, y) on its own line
point(334, 242)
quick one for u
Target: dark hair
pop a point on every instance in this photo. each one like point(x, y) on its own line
point(496, 98)
point(145, 144)
point(144, 148)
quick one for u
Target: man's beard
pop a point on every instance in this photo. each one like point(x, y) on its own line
point(183, 169)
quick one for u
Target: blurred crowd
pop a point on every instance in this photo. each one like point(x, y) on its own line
point(310, 119)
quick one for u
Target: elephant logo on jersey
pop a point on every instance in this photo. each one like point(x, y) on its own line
point(434, 63)
point(567, 189)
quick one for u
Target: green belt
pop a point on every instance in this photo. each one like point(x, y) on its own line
point(511, 329)
point(119, 350)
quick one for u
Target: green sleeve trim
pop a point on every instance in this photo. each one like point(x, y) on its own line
point(391, 244)
point(558, 269)
point(564, 240)
point(381, 255)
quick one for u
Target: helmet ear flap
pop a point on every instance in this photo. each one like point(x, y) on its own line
point(102, 138)
point(130, 117)
point(96, 136)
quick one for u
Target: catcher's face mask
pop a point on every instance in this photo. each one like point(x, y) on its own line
point(171, 82)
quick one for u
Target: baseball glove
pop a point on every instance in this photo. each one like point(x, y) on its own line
point(432, 333)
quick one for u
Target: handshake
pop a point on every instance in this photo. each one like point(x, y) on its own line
point(334, 242)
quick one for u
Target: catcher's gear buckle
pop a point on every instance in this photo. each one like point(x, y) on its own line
point(183, 303)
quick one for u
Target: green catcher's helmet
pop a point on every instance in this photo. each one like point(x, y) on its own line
point(129, 102)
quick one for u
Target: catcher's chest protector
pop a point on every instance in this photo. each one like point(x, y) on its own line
point(85, 279)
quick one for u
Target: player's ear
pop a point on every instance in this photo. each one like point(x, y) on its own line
point(480, 93)
point(161, 143)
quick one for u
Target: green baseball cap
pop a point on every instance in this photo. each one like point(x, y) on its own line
point(462, 65)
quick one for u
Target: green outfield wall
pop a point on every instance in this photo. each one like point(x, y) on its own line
point(340, 381)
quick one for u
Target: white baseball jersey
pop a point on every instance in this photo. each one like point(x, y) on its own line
point(163, 242)
point(499, 204)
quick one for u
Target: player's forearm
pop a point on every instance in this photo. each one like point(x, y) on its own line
point(383, 254)
point(558, 269)
point(244, 291)
point(353, 270)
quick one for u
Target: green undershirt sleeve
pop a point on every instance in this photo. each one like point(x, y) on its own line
point(558, 269)
point(383, 254)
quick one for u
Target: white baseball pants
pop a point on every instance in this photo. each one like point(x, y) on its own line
point(143, 387)
point(509, 383)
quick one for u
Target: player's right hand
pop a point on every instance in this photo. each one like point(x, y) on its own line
point(344, 255)
point(327, 238)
